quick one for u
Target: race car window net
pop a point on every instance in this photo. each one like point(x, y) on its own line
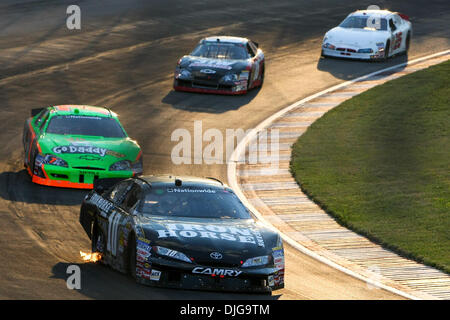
point(363, 22)
point(220, 50)
point(193, 202)
point(85, 125)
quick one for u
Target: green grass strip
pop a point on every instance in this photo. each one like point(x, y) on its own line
point(380, 164)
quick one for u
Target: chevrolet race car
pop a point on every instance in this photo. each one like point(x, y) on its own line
point(184, 232)
point(224, 65)
point(72, 146)
point(369, 35)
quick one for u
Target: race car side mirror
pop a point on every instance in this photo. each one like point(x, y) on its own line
point(102, 185)
point(36, 111)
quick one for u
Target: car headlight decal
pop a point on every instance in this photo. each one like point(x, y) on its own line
point(122, 165)
point(184, 74)
point(50, 159)
point(230, 77)
point(256, 261)
point(162, 251)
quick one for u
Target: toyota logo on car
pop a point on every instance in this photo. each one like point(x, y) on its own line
point(216, 255)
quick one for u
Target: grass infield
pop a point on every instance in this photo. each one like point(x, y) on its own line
point(380, 164)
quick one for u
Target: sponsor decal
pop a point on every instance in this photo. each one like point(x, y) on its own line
point(216, 271)
point(86, 149)
point(143, 245)
point(271, 281)
point(155, 275)
point(188, 230)
point(180, 190)
point(208, 71)
point(104, 205)
point(212, 64)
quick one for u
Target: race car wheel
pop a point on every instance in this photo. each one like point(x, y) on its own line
point(262, 76)
point(97, 240)
point(249, 81)
point(386, 50)
point(132, 256)
point(407, 43)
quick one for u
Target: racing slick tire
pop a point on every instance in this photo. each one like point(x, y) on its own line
point(131, 256)
point(387, 47)
point(98, 242)
point(262, 76)
point(407, 43)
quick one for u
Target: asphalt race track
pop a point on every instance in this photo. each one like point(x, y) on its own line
point(124, 57)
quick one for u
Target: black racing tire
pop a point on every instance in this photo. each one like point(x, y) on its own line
point(262, 76)
point(407, 43)
point(98, 241)
point(131, 255)
point(387, 47)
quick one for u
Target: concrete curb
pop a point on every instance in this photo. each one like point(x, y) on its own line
point(280, 204)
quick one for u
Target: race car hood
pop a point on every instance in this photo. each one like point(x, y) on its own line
point(358, 38)
point(89, 151)
point(235, 239)
point(213, 66)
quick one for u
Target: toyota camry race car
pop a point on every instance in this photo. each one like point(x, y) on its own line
point(182, 232)
point(72, 146)
point(225, 65)
point(369, 35)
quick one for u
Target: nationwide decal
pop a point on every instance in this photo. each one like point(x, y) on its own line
point(216, 271)
point(229, 233)
point(187, 190)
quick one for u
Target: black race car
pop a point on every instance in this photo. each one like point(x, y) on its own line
point(182, 232)
point(225, 65)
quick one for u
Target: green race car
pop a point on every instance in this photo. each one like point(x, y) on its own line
point(72, 146)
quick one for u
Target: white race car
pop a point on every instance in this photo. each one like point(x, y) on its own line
point(369, 35)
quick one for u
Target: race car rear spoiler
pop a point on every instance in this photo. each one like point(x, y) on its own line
point(403, 16)
point(101, 185)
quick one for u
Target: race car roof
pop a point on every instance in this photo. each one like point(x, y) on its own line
point(228, 39)
point(380, 13)
point(187, 181)
point(82, 110)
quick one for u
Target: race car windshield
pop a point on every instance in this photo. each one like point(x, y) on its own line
point(363, 22)
point(194, 203)
point(215, 50)
point(86, 126)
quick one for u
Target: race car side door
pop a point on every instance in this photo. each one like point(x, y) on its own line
point(397, 34)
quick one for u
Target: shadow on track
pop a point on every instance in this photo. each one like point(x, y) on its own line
point(94, 276)
point(17, 186)
point(207, 102)
point(350, 69)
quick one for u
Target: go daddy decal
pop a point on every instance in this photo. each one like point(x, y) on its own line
point(188, 230)
point(86, 149)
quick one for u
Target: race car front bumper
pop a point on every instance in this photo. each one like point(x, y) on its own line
point(56, 176)
point(353, 53)
point(237, 88)
point(164, 273)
